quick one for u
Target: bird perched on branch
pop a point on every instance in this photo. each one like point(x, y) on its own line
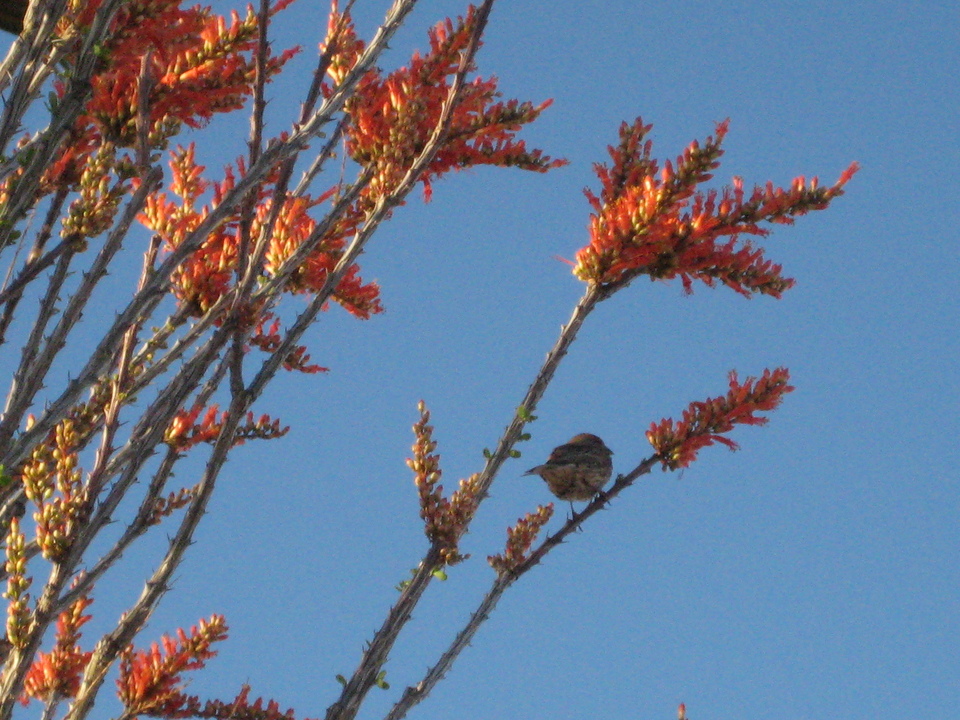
point(11, 15)
point(577, 470)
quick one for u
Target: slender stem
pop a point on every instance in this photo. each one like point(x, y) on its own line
point(146, 301)
point(14, 452)
point(568, 333)
point(416, 693)
point(133, 621)
point(140, 524)
point(378, 651)
point(379, 648)
point(28, 377)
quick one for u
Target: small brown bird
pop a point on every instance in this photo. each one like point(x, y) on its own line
point(578, 469)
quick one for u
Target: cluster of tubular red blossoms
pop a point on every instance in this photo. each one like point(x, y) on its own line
point(268, 339)
point(445, 519)
point(209, 273)
point(519, 539)
point(57, 674)
point(198, 66)
point(651, 220)
point(184, 431)
point(295, 227)
point(241, 707)
point(393, 117)
point(150, 683)
point(703, 423)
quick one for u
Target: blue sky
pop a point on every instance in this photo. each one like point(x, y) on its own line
point(813, 574)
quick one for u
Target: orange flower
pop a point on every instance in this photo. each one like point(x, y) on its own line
point(653, 221)
point(704, 423)
point(150, 683)
point(393, 117)
point(184, 431)
point(209, 272)
point(57, 674)
point(268, 339)
point(199, 65)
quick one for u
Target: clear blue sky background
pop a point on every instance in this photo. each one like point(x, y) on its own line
point(814, 574)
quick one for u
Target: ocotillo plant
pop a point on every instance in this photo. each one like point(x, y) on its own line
point(177, 369)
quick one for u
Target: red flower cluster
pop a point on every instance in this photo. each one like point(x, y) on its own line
point(393, 117)
point(185, 432)
point(241, 707)
point(653, 221)
point(703, 423)
point(150, 683)
point(194, 66)
point(268, 339)
point(198, 66)
point(57, 674)
point(209, 273)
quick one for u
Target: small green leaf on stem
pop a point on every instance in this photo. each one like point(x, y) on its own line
point(525, 414)
point(402, 585)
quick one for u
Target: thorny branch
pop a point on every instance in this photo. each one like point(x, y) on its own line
point(148, 390)
point(415, 694)
point(116, 348)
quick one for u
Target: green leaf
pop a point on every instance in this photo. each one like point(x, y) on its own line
point(525, 414)
point(439, 574)
point(402, 585)
point(381, 681)
point(487, 454)
point(342, 680)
